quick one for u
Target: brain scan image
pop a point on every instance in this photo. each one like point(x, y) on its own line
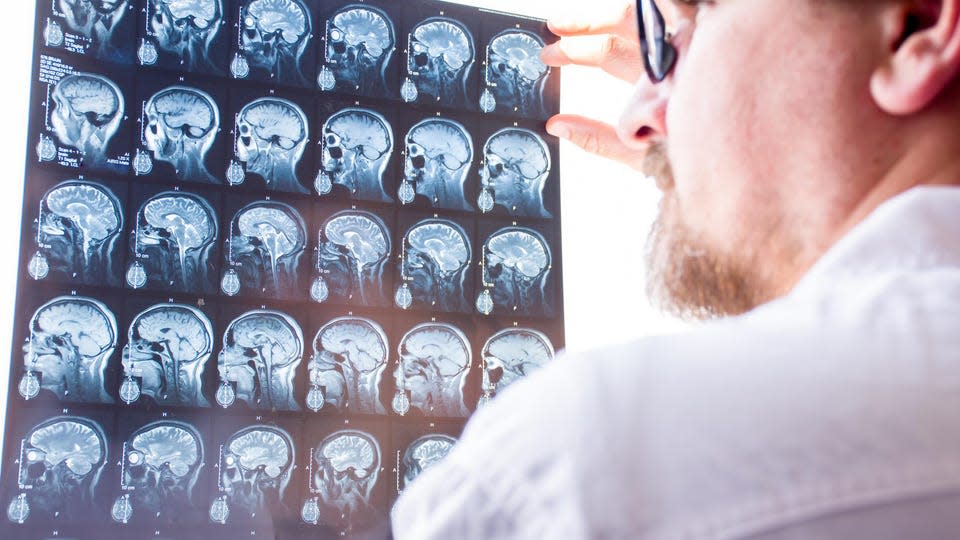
point(271, 136)
point(71, 341)
point(159, 470)
point(517, 262)
point(514, 74)
point(512, 354)
point(360, 43)
point(255, 467)
point(434, 361)
point(349, 358)
point(516, 164)
point(96, 20)
point(77, 231)
point(262, 350)
point(167, 349)
point(86, 113)
point(354, 251)
point(356, 148)
point(274, 36)
point(345, 468)
point(59, 470)
point(174, 234)
point(267, 240)
point(440, 53)
point(185, 29)
point(435, 264)
point(438, 157)
point(180, 125)
point(423, 453)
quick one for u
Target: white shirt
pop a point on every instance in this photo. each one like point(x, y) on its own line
point(833, 412)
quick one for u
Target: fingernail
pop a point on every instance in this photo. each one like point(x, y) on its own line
point(548, 54)
point(558, 129)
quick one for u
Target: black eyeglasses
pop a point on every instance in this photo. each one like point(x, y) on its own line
point(659, 55)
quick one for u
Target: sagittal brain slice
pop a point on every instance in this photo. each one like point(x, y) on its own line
point(254, 470)
point(271, 136)
point(275, 35)
point(357, 145)
point(96, 20)
point(70, 344)
point(349, 358)
point(434, 360)
point(514, 72)
point(86, 114)
point(262, 350)
point(518, 261)
point(346, 466)
point(439, 155)
point(440, 53)
point(360, 45)
point(181, 126)
point(78, 225)
point(423, 453)
point(354, 252)
point(512, 354)
point(516, 167)
point(176, 232)
point(266, 243)
point(161, 465)
point(60, 464)
point(168, 347)
point(187, 29)
point(436, 263)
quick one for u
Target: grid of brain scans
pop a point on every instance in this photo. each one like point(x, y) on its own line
point(274, 255)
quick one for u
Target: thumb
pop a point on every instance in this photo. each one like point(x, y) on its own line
point(596, 137)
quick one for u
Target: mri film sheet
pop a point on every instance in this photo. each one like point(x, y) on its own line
point(80, 114)
point(274, 254)
point(181, 131)
point(359, 48)
point(184, 35)
point(98, 29)
point(76, 230)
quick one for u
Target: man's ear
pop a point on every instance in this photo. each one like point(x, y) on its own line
point(924, 58)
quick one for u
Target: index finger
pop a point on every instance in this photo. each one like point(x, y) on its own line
point(621, 22)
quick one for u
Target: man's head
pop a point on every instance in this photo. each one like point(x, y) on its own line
point(781, 125)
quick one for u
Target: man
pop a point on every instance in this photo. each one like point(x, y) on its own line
point(809, 155)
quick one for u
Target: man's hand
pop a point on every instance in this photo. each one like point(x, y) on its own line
point(609, 42)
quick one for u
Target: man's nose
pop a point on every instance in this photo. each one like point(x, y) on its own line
point(644, 117)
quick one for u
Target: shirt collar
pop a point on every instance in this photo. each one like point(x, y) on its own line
point(916, 230)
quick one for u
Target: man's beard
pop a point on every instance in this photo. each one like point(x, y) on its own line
point(686, 277)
